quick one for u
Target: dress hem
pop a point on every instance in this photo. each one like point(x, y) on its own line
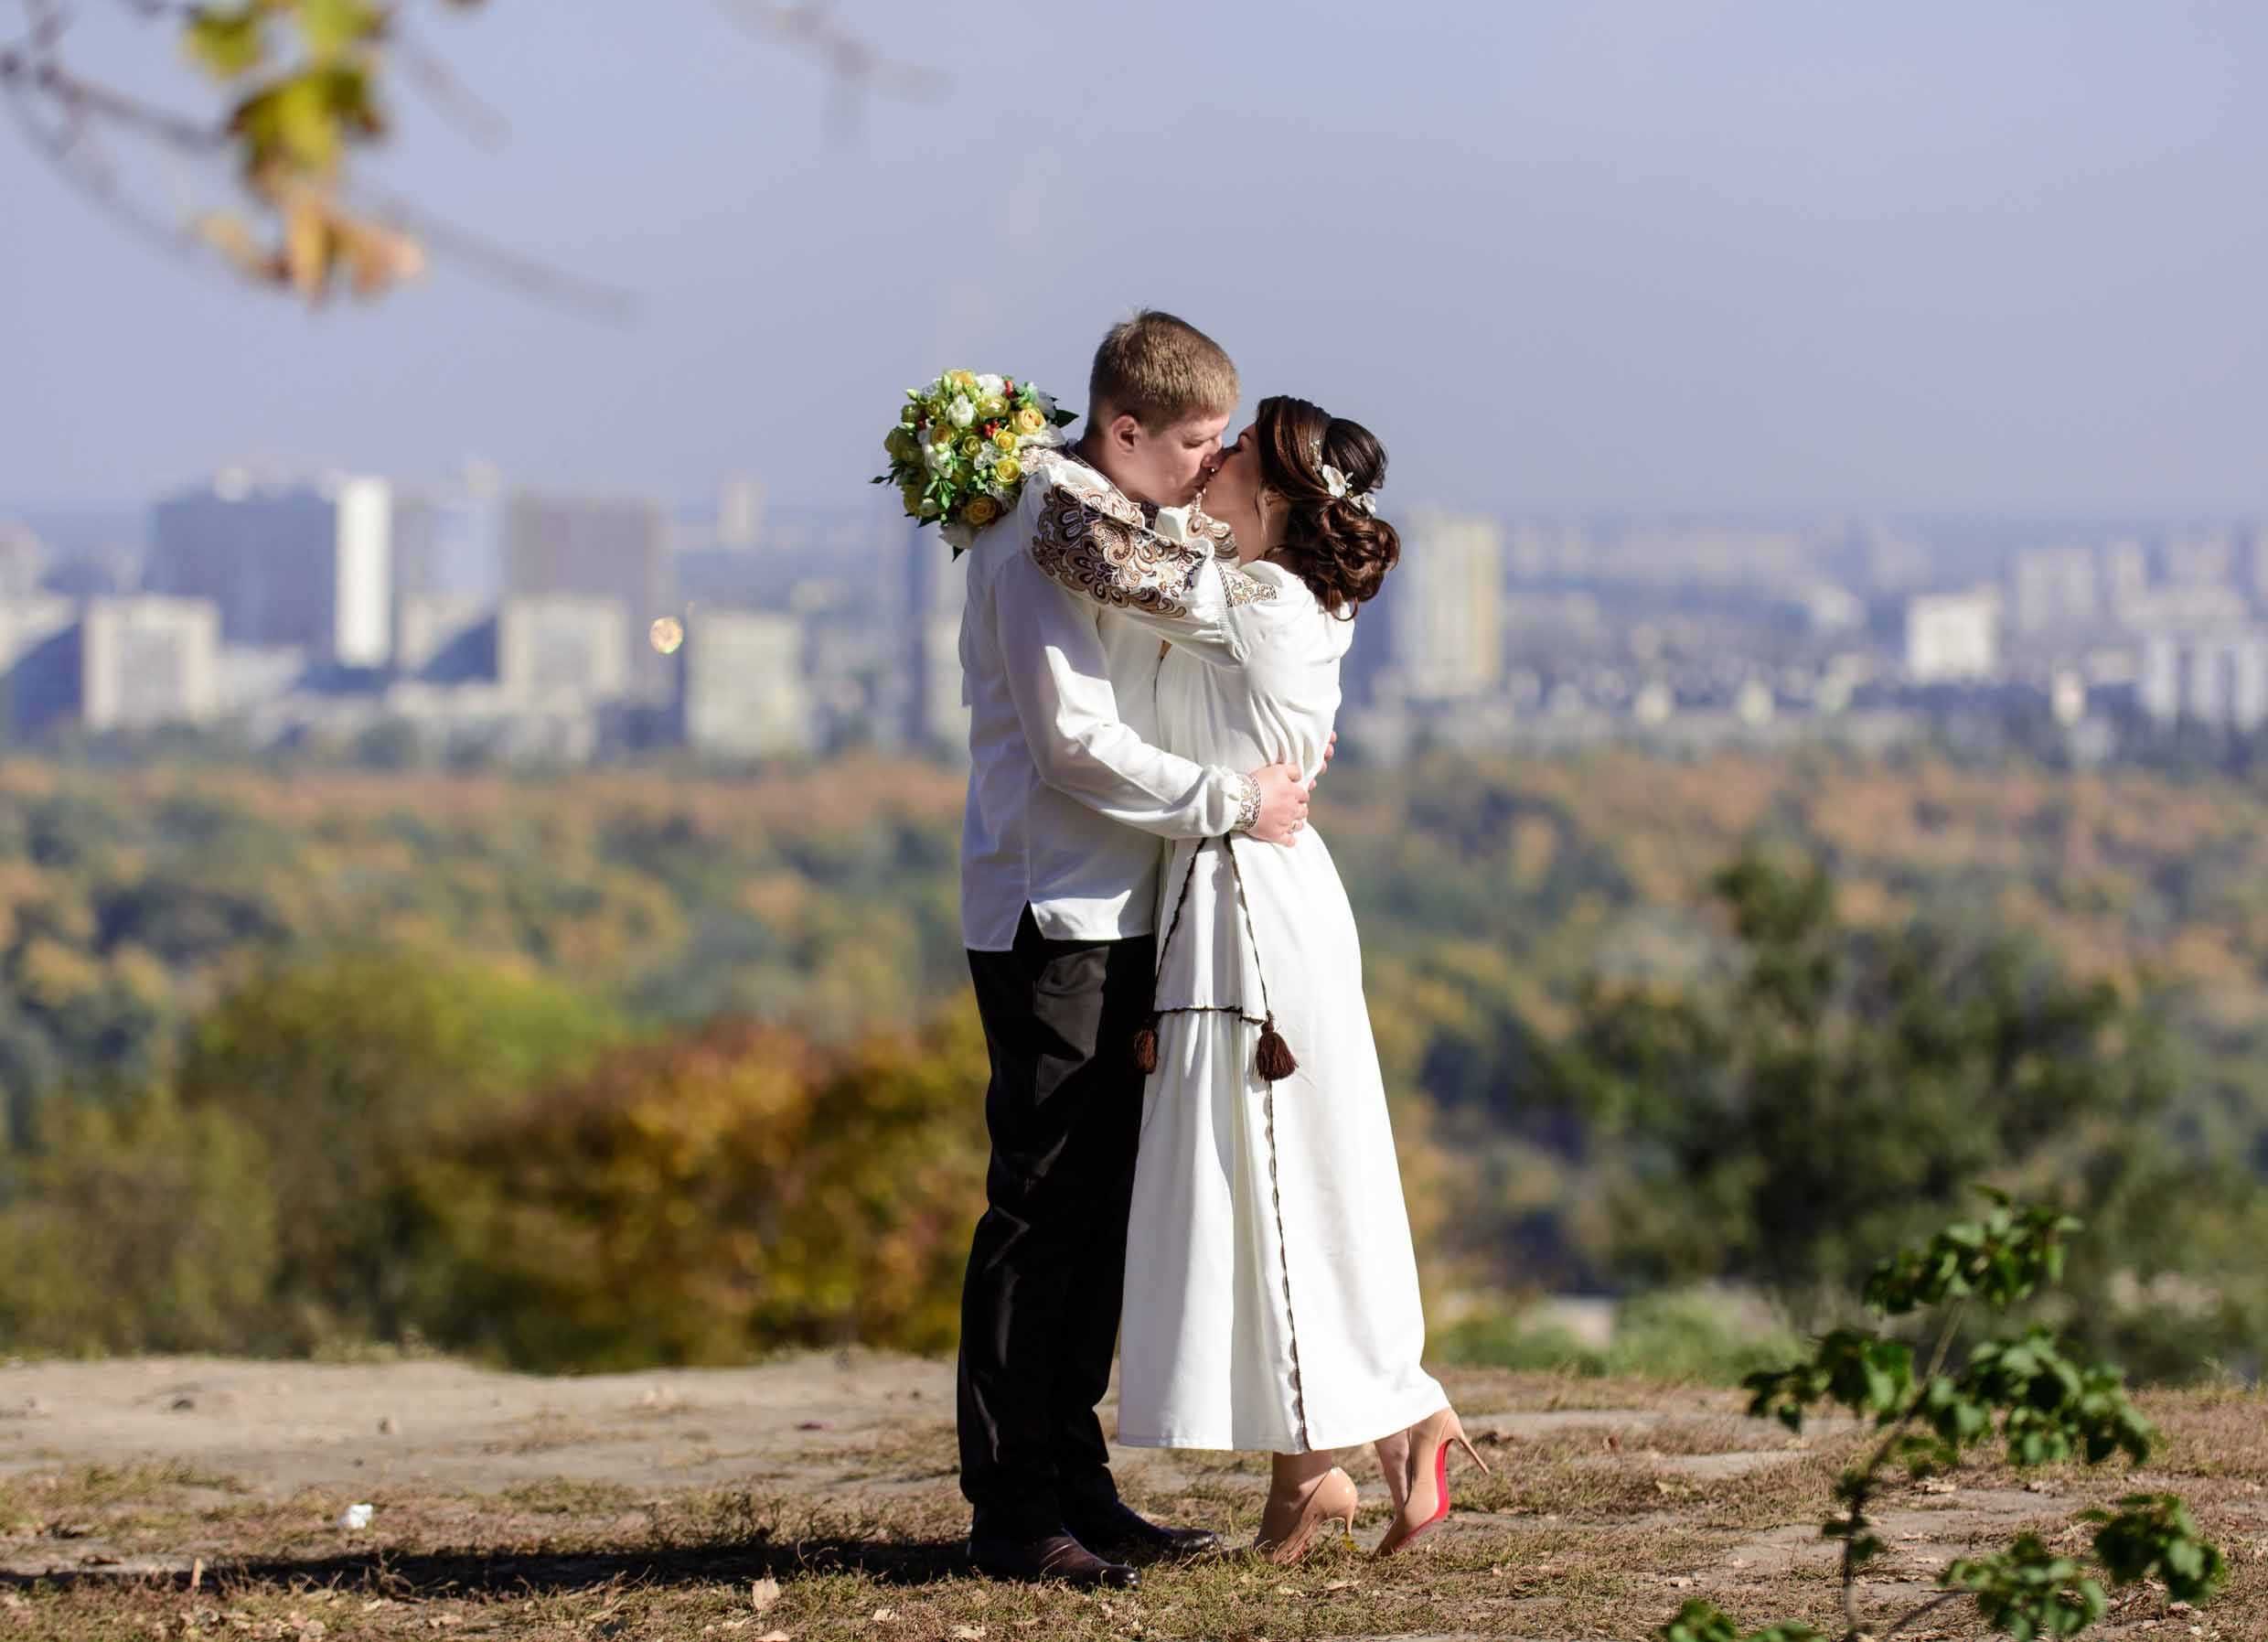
point(1432, 1402)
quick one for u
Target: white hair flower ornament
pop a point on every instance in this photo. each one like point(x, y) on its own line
point(1337, 482)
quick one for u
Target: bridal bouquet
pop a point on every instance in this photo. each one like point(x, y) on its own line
point(958, 450)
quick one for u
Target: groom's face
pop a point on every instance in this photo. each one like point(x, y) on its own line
point(1167, 467)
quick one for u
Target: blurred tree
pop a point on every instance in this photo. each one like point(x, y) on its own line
point(1838, 1090)
point(303, 92)
point(356, 1070)
point(137, 1227)
point(705, 1199)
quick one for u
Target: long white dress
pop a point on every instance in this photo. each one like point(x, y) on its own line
point(1271, 1290)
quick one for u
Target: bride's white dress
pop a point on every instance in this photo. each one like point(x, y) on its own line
point(1271, 1290)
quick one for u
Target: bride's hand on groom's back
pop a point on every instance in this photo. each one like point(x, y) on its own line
point(1283, 803)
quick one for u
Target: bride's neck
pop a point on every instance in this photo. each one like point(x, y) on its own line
point(1258, 537)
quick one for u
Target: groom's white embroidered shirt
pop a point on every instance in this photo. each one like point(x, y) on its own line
point(1066, 794)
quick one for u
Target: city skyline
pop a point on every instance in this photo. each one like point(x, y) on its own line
point(1658, 257)
point(487, 618)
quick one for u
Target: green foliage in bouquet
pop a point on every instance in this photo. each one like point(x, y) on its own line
point(2025, 1392)
point(959, 448)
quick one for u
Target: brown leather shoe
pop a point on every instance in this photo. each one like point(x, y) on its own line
point(1053, 1558)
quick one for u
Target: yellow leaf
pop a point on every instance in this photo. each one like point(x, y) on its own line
point(226, 44)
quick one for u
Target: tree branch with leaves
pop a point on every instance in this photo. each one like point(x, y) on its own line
point(301, 88)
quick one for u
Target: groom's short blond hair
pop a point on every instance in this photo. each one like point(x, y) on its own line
point(1159, 371)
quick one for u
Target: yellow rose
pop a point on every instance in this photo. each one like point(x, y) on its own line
point(910, 416)
point(971, 445)
point(912, 492)
point(1006, 441)
point(944, 432)
point(980, 510)
point(900, 446)
point(1007, 471)
point(1029, 421)
point(991, 405)
point(962, 378)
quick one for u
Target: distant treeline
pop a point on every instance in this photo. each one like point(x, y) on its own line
point(646, 1067)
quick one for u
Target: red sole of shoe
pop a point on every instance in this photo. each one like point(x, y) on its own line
point(1440, 1493)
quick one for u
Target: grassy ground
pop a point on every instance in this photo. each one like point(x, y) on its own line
point(667, 1505)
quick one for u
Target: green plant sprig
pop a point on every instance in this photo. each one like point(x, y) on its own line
point(2044, 1406)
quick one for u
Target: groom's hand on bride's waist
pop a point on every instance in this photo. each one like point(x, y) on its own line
point(1283, 803)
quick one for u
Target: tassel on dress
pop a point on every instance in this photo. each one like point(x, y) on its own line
point(1146, 1047)
point(1274, 1060)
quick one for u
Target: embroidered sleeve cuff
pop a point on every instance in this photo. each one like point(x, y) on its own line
point(1113, 560)
point(1207, 529)
point(1247, 804)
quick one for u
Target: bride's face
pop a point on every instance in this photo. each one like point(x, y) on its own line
point(1233, 496)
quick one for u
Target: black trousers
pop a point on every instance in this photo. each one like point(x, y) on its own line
point(1040, 1304)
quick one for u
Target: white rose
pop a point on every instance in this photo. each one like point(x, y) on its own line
point(961, 411)
point(1173, 525)
point(988, 455)
point(989, 384)
point(938, 457)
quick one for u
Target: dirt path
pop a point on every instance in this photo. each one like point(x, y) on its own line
point(181, 1496)
point(280, 1427)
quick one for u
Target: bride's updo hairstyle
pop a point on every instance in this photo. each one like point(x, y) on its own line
point(1338, 547)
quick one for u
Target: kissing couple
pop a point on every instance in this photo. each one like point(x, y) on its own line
point(1191, 1154)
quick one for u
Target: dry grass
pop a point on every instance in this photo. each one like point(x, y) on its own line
point(1603, 1514)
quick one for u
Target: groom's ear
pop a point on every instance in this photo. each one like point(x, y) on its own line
point(1122, 430)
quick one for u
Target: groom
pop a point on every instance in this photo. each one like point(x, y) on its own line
point(1059, 862)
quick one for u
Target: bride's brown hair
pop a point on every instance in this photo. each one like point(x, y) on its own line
point(1340, 550)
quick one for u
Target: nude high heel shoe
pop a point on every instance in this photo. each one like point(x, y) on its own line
point(1293, 1517)
point(1428, 1504)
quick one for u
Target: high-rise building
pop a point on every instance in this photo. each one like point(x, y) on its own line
point(740, 686)
point(1444, 608)
point(446, 638)
point(39, 661)
point(2208, 559)
point(309, 566)
point(597, 549)
point(23, 560)
point(740, 513)
point(2054, 589)
point(1542, 552)
point(450, 542)
point(2253, 567)
point(2125, 578)
point(1953, 635)
point(2217, 679)
point(148, 661)
point(563, 650)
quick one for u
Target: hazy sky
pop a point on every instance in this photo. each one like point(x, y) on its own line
point(1996, 254)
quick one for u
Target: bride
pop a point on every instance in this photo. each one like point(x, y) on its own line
point(1271, 1290)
